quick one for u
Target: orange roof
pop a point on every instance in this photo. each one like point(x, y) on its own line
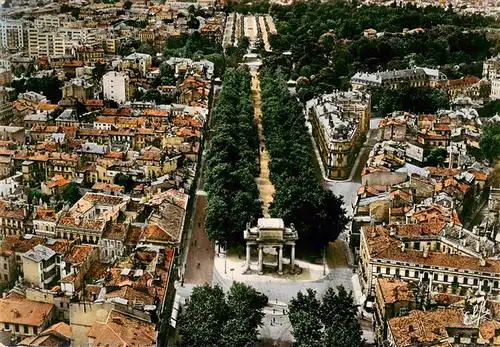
point(78, 254)
point(94, 102)
point(428, 326)
point(123, 330)
point(394, 290)
point(153, 112)
point(73, 63)
point(383, 246)
point(46, 107)
point(8, 210)
point(56, 181)
point(45, 214)
point(24, 312)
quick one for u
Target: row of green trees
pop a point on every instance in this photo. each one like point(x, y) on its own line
point(216, 319)
point(233, 198)
point(412, 99)
point(317, 213)
point(331, 321)
point(327, 44)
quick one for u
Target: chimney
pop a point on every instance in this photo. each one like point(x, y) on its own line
point(426, 252)
point(482, 261)
point(403, 247)
point(477, 246)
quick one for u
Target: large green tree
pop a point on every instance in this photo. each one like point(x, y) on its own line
point(214, 319)
point(331, 321)
point(233, 198)
point(327, 45)
point(490, 141)
point(317, 213)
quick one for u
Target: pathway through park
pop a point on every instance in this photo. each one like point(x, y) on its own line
point(266, 188)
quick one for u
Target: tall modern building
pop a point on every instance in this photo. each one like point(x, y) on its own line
point(116, 86)
point(12, 35)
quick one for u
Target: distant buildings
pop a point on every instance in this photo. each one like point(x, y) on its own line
point(416, 77)
point(340, 122)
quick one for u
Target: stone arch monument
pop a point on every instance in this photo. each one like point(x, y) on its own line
point(270, 232)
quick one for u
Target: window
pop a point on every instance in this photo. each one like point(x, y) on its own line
point(416, 245)
point(397, 272)
point(435, 277)
point(387, 270)
point(35, 331)
point(445, 278)
point(416, 274)
point(5, 266)
point(7, 327)
point(475, 281)
point(25, 329)
point(17, 328)
point(407, 273)
point(466, 280)
point(6, 277)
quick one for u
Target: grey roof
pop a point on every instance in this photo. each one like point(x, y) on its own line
point(39, 253)
point(67, 115)
point(91, 147)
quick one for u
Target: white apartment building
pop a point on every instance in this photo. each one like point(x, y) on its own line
point(12, 35)
point(491, 72)
point(57, 42)
point(53, 21)
point(116, 86)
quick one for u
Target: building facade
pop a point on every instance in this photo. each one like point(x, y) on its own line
point(116, 86)
point(12, 34)
point(340, 122)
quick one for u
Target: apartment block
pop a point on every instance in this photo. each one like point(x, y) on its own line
point(340, 121)
point(12, 34)
point(116, 86)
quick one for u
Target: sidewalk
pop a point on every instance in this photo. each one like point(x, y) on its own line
point(232, 268)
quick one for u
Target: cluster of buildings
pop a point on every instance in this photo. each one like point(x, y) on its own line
point(470, 87)
point(340, 122)
point(428, 275)
point(94, 189)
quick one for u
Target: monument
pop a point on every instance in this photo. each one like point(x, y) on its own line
point(270, 232)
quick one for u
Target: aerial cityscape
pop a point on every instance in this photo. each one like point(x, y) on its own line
point(208, 173)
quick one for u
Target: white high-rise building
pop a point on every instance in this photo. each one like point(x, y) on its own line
point(12, 36)
point(116, 86)
point(55, 42)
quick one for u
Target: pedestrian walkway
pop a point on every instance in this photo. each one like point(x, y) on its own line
point(201, 251)
point(266, 188)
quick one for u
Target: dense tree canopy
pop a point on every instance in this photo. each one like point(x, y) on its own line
point(233, 198)
point(490, 141)
point(330, 322)
point(49, 86)
point(327, 44)
point(213, 319)
point(316, 212)
point(418, 100)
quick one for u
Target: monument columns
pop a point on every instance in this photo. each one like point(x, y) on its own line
point(280, 260)
point(261, 262)
point(292, 258)
point(248, 258)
